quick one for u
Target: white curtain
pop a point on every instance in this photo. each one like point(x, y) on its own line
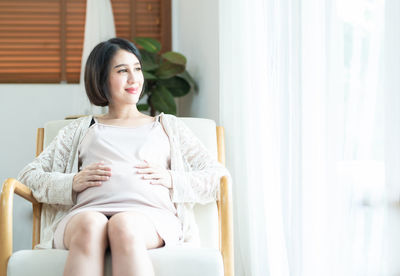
point(310, 99)
point(250, 114)
point(99, 26)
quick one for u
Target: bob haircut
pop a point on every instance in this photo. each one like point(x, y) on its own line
point(97, 69)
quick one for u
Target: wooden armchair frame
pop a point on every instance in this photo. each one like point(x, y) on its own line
point(11, 186)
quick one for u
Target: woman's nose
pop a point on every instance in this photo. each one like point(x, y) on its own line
point(131, 78)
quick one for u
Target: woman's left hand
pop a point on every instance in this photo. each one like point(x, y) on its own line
point(155, 173)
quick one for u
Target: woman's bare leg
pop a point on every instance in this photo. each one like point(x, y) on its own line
point(86, 238)
point(130, 235)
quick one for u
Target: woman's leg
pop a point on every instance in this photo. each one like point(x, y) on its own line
point(86, 238)
point(130, 235)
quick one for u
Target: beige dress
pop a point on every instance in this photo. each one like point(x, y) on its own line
point(121, 148)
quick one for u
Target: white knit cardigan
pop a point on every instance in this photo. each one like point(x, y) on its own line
point(195, 175)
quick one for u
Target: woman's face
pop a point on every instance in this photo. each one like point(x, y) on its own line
point(125, 80)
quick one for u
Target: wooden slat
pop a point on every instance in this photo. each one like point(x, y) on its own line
point(27, 54)
point(31, 58)
point(30, 79)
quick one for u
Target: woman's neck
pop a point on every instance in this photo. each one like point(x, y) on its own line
point(123, 113)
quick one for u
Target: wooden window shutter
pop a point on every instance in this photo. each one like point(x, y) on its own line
point(29, 41)
point(41, 40)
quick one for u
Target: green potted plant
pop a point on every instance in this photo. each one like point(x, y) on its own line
point(165, 77)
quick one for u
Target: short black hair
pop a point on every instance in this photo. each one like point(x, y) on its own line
point(97, 69)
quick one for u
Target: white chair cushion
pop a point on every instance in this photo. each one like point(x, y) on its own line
point(176, 261)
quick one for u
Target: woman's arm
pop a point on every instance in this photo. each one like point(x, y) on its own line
point(201, 183)
point(46, 176)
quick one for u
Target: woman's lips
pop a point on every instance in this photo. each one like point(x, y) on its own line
point(132, 90)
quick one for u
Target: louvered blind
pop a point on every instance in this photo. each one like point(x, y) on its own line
point(41, 40)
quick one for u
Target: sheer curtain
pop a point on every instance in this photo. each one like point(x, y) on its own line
point(310, 101)
point(250, 112)
point(99, 26)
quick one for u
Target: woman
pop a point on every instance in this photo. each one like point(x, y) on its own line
point(123, 180)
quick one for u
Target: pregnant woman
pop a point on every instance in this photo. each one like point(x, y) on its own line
point(120, 180)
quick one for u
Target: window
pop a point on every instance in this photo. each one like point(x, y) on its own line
point(41, 40)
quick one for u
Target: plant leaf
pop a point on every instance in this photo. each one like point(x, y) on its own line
point(175, 58)
point(149, 76)
point(150, 61)
point(142, 107)
point(149, 44)
point(168, 70)
point(177, 86)
point(186, 76)
point(163, 101)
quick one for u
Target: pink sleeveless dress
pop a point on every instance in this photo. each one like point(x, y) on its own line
point(121, 148)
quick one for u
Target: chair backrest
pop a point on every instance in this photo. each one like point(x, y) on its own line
point(206, 216)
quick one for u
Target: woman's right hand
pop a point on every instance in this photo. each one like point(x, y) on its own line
point(91, 176)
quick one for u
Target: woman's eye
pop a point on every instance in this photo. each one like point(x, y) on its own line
point(122, 71)
point(138, 69)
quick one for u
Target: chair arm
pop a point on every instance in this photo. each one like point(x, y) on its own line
point(226, 215)
point(11, 186)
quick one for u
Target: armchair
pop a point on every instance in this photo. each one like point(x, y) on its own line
point(214, 257)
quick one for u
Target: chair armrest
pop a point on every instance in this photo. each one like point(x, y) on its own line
point(11, 186)
point(226, 215)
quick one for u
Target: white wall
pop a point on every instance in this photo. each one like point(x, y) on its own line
point(195, 34)
point(24, 108)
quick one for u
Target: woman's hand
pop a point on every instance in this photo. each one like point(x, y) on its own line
point(155, 173)
point(91, 176)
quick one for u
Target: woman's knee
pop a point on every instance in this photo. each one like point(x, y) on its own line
point(125, 232)
point(130, 230)
point(86, 231)
point(122, 227)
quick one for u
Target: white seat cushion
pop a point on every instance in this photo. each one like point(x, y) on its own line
point(176, 261)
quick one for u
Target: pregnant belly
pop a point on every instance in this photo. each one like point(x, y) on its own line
point(125, 188)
